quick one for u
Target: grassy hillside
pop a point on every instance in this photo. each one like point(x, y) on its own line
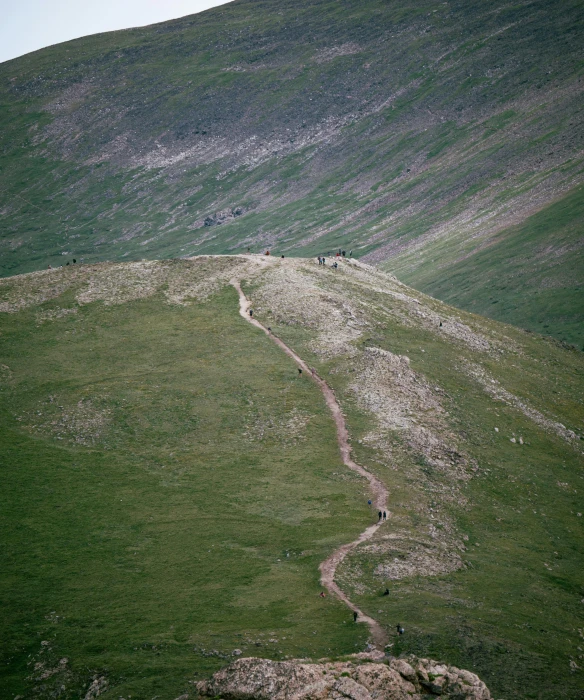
point(529, 275)
point(418, 134)
point(170, 484)
point(169, 488)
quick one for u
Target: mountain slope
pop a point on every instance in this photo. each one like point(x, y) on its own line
point(171, 483)
point(413, 133)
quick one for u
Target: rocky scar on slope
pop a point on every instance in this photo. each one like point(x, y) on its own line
point(401, 679)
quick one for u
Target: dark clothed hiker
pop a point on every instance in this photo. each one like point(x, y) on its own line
point(400, 629)
point(386, 591)
point(384, 515)
point(380, 515)
point(251, 312)
point(300, 370)
point(355, 616)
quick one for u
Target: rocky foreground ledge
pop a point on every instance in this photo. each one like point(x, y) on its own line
point(409, 678)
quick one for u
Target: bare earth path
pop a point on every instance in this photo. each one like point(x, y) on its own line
point(378, 489)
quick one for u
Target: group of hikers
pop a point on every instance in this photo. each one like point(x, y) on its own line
point(339, 254)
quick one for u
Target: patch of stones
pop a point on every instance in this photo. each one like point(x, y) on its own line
point(409, 678)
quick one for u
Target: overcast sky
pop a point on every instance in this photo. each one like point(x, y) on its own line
point(28, 25)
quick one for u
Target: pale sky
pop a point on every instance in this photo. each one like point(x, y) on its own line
point(28, 25)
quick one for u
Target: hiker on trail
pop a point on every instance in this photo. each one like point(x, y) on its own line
point(300, 370)
point(319, 260)
point(343, 254)
point(251, 312)
point(386, 591)
point(350, 253)
point(282, 257)
point(384, 515)
point(400, 629)
point(380, 516)
point(369, 502)
point(323, 261)
point(355, 616)
point(322, 594)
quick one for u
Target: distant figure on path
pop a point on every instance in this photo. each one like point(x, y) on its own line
point(369, 502)
point(384, 515)
point(323, 261)
point(322, 594)
point(350, 253)
point(386, 591)
point(355, 616)
point(300, 370)
point(400, 629)
point(251, 312)
point(380, 515)
point(319, 260)
point(313, 371)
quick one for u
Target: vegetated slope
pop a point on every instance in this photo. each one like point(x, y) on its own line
point(542, 291)
point(161, 456)
point(410, 132)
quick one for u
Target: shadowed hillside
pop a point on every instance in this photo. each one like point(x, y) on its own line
point(171, 483)
point(421, 135)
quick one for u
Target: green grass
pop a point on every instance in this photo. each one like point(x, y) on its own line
point(529, 275)
point(166, 534)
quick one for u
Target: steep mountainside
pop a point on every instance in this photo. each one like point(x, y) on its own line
point(417, 133)
point(171, 483)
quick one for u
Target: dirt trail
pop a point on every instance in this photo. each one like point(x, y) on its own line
point(378, 489)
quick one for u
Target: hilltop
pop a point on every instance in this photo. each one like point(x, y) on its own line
point(441, 141)
point(172, 483)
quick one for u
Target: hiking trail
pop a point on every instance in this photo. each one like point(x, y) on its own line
point(378, 490)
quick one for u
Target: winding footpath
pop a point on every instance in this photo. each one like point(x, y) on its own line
point(378, 489)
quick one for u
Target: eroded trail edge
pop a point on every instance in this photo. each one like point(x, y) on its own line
point(378, 489)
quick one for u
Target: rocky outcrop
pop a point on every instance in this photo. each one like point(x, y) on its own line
point(221, 217)
point(399, 679)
